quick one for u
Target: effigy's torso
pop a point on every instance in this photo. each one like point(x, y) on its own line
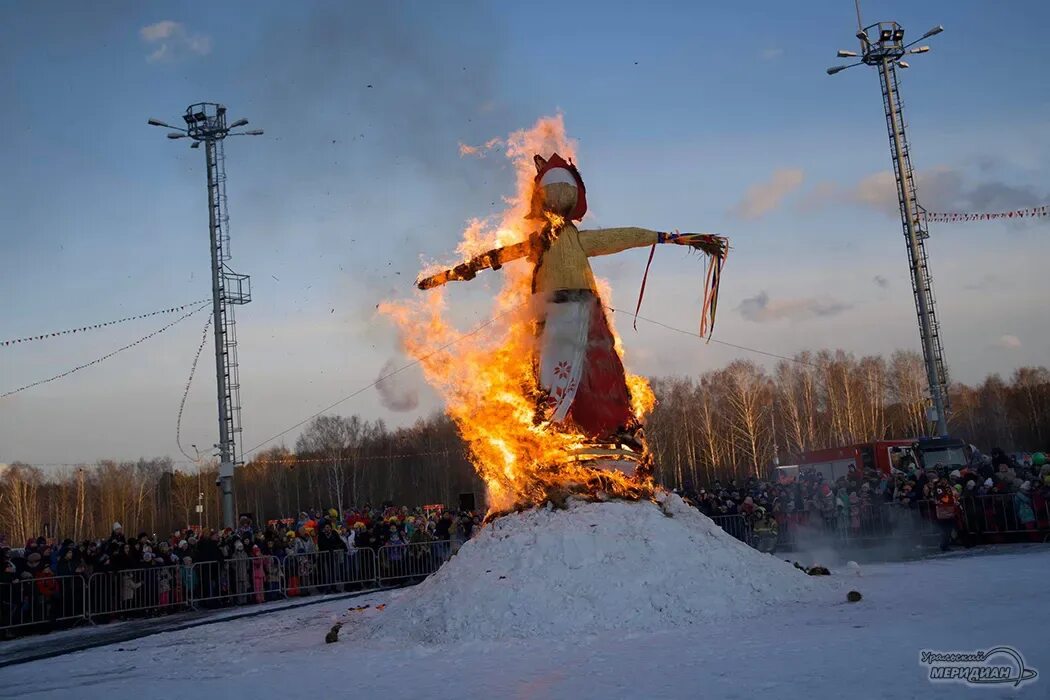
point(564, 265)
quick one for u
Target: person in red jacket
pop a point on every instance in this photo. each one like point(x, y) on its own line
point(47, 592)
point(946, 504)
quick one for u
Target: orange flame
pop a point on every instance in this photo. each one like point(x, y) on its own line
point(488, 381)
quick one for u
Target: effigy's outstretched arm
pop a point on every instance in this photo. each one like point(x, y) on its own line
point(493, 259)
point(606, 241)
point(612, 240)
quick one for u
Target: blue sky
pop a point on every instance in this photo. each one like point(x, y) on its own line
point(696, 116)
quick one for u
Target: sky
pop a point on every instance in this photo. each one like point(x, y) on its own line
point(695, 116)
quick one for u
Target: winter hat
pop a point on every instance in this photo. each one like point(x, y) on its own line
point(183, 544)
point(256, 550)
point(239, 546)
point(147, 556)
point(970, 484)
point(988, 482)
point(117, 526)
point(955, 474)
point(33, 558)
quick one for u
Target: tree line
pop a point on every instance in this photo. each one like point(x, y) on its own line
point(726, 423)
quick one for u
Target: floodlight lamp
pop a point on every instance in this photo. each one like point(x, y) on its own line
point(903, 64)
point(846, 54)
point(862, 35)
point(936, 30)
point(920, 49)
point(176, 135)
point(195, 144)
point(885, 35)
point(188, 118)
point(836, 69)
point(254, 132)
point(239, 122)
point(158, 122)
point(898, 35)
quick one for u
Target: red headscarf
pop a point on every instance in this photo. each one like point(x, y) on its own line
point(543, 167)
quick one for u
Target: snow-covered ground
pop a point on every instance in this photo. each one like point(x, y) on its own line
point(870, 649)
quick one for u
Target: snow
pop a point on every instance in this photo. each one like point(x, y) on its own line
point(590, 568)
point(789, 651)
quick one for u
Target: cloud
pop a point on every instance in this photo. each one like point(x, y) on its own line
point(760, 309)
point(985, 281)
point(881, 282)
point(772, 53)
point(1008, 342)
point(398, 392)
point(940, 188)
point(172, 41)
point(763, 197)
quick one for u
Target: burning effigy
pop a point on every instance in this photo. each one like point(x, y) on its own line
point(547, 408)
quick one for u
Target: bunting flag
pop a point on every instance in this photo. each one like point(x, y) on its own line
point(95, 326)
point(959, 217)
point(105, 357)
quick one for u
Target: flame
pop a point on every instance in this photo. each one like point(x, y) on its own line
point(488, 381)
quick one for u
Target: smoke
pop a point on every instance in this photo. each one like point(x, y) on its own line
point(761, 309)
point(382, 85)
point(399, 392)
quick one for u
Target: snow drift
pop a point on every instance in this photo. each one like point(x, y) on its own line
point(627, 566)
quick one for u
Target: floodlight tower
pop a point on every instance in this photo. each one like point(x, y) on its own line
point(206, 123)
point(882, 46)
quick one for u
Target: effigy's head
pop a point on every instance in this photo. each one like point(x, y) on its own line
point(558, 189)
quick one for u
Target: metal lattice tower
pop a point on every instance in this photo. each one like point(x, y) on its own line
point(206, 123)
point(882, 46)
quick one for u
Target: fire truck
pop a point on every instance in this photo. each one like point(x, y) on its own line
point(885, 456)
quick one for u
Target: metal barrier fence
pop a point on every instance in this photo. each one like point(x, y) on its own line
point(235, 581)
point(992, 518)
point(412, 561)
point(329, 572)
point(41, 601)
point(134, 590)
point(736, 525)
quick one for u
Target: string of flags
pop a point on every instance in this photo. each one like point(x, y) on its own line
point(42, 336)
point(143, 339)
point(955, 217)
point(186, 391)
point(293, 461)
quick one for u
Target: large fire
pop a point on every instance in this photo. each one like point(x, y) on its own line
point(488, 380)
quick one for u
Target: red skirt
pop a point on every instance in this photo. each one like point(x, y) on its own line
point(580, 370)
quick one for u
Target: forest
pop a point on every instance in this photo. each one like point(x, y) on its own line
point(726, 423)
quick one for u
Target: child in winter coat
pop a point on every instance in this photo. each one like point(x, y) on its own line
point(258, 574)
point(128, 586)
point(164, 585)
point(187, 577)
point(240, 575)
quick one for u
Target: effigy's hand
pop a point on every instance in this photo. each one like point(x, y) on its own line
point(709, 243)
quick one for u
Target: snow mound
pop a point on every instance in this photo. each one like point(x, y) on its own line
point(626, 566)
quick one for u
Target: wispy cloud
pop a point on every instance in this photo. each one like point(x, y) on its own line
point(772, 53)
point(942, 188)
point(1008, 342)
point(764, 197)
point(171, 41)
point(761, 309)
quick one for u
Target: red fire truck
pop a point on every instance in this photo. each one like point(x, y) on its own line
point(884, 456)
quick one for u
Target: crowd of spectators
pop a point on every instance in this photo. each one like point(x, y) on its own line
point(994, 494)
point(144, 575)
